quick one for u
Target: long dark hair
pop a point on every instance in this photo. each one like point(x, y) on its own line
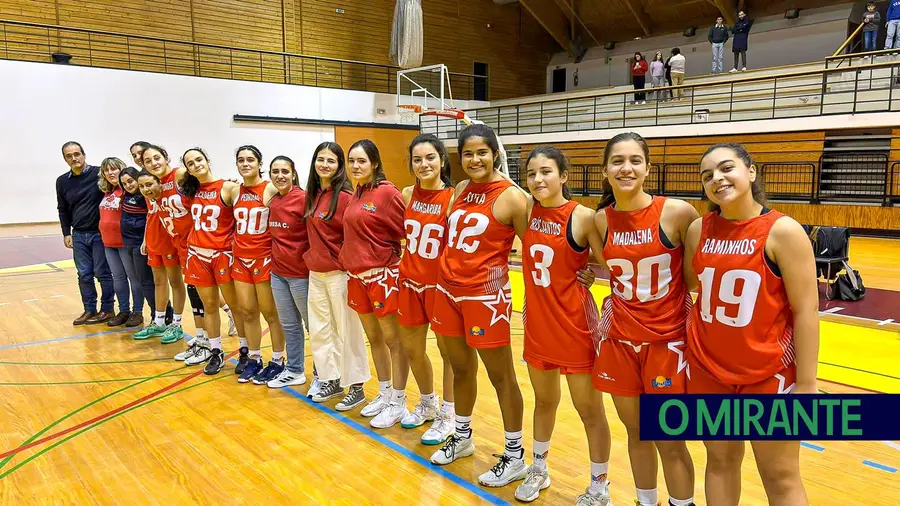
point(339, 181)
point(486, 133)
point(282, 158)
point(141, 144)
point(154, 147)
point(441, 151)
point(131, 172)
point(374, 158)
point(609, 198)
point(562, 163)
point(256, 152)
point(190, 184)
point(145, 172)
point(757, 187)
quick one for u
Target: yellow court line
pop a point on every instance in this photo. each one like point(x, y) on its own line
point(849, 354)
point(48, 266)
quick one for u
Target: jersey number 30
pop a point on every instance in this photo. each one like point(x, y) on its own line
point(623, 273)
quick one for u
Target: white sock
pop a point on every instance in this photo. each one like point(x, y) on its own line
point(277, 356)
point(227, 310)
point(427, 398)
point(160, 318)
point(462, 426)
point(648, 497)
point(398, 397)
point(448, 407)
point(541, 449)
point(599, 481)
point(257, 354)
point(201, 334)
point(513, 447)
point(243, 341)
point(176, 319)
point(383, 387)
point(215, 343)
point(681, 502)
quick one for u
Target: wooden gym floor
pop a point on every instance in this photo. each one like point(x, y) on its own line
point(94, 417)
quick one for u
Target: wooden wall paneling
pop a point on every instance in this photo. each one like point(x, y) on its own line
point(253, 24)
point(34, 11)
point(392, 143)
point(170, 19)
point(362, 32)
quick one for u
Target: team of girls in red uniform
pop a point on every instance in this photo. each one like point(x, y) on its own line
point(752, 329)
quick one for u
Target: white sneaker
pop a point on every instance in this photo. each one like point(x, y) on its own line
point(314, 388)
point(181, 357)
point(535, 481)
point(743, 69)
point(440, 430)
point(600, 499)
point(390, 416)
point(733, 71)
point(504, 472)
point(424, 412)
point(201, 354)
point(454, 448)
point(286, 379)
point(375, 406)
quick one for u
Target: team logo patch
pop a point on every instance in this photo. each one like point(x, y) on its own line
point(221, 272)
point(321, 215)
point(370, 206)
point(377, 305)
point(169, 256)
point(256, 272)
point(660, 382)
point(476, 331)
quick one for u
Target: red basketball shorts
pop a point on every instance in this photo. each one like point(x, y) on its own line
point(630, 369)
point(374, 291)
point(416, 304)
point(482, 319)
point(169, 259)
point(701, 381)
point(251, 270)
point(207, 267)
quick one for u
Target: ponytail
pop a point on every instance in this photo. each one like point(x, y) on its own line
point(608, 198)
point(190, 185)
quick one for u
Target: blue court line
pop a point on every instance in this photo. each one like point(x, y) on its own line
point(812, 446)
point(882, 467)
point(58, 339)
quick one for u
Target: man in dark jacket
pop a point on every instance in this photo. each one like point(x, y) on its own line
point(718, 35)
point(78, 201)
point(740, 42)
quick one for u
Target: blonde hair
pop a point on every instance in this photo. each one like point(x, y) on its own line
point(105, 165)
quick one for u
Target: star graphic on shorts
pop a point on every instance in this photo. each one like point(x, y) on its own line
point(389, 273)
point(499, 307)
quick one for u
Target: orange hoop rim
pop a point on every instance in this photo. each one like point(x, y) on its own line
point(412, 107)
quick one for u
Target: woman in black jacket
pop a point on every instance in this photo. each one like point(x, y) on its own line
point(740, 42)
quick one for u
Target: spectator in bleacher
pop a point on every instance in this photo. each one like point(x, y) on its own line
point(658, 74)
point(893, 22)
point(676, 65)
point(639, 77)
point(741, 42)
point(872, 20)
point(668, 93)
point(718, 36)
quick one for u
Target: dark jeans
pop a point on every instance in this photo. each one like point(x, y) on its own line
point(870, 42)
point(737, 56)
point(90, 262)
point(143, 278)
point(639, 82)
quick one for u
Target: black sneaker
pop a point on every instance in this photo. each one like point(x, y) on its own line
point(243, 360)
point(254, 367)
point(272, 370)
point(216, 362)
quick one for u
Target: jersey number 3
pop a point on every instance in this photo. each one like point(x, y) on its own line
point(744, 299)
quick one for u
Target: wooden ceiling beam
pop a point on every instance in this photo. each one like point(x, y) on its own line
point(551, 18)
point(728, 8)
point(568, 6)
point(642, 18)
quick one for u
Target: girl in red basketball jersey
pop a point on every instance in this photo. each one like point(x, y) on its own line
point(473, 300)
point(209, 256)
point(755, 326)
point(373, 229)
point(560, 320)
point(425, 220)
point(643, 319)
point(252, 268)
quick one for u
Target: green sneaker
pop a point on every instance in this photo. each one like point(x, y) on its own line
point(172, 334)
point(149, 331)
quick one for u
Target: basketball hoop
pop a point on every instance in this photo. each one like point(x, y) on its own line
point(408, 112)
point(456, 114)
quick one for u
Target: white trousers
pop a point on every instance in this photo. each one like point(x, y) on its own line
point(335, 333)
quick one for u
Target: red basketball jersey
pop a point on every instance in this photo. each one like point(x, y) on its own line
point(177, 206)
point(649, 300)
point(560, 315)
point(476, 259)
point(160, 230)
point(251, 234)
point(425, 221)
point(741, 328)
point(213, 220)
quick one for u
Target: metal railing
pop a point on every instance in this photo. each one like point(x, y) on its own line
point(860, 178)
point(865, 88)
point(851, 59)
point(51, 43)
